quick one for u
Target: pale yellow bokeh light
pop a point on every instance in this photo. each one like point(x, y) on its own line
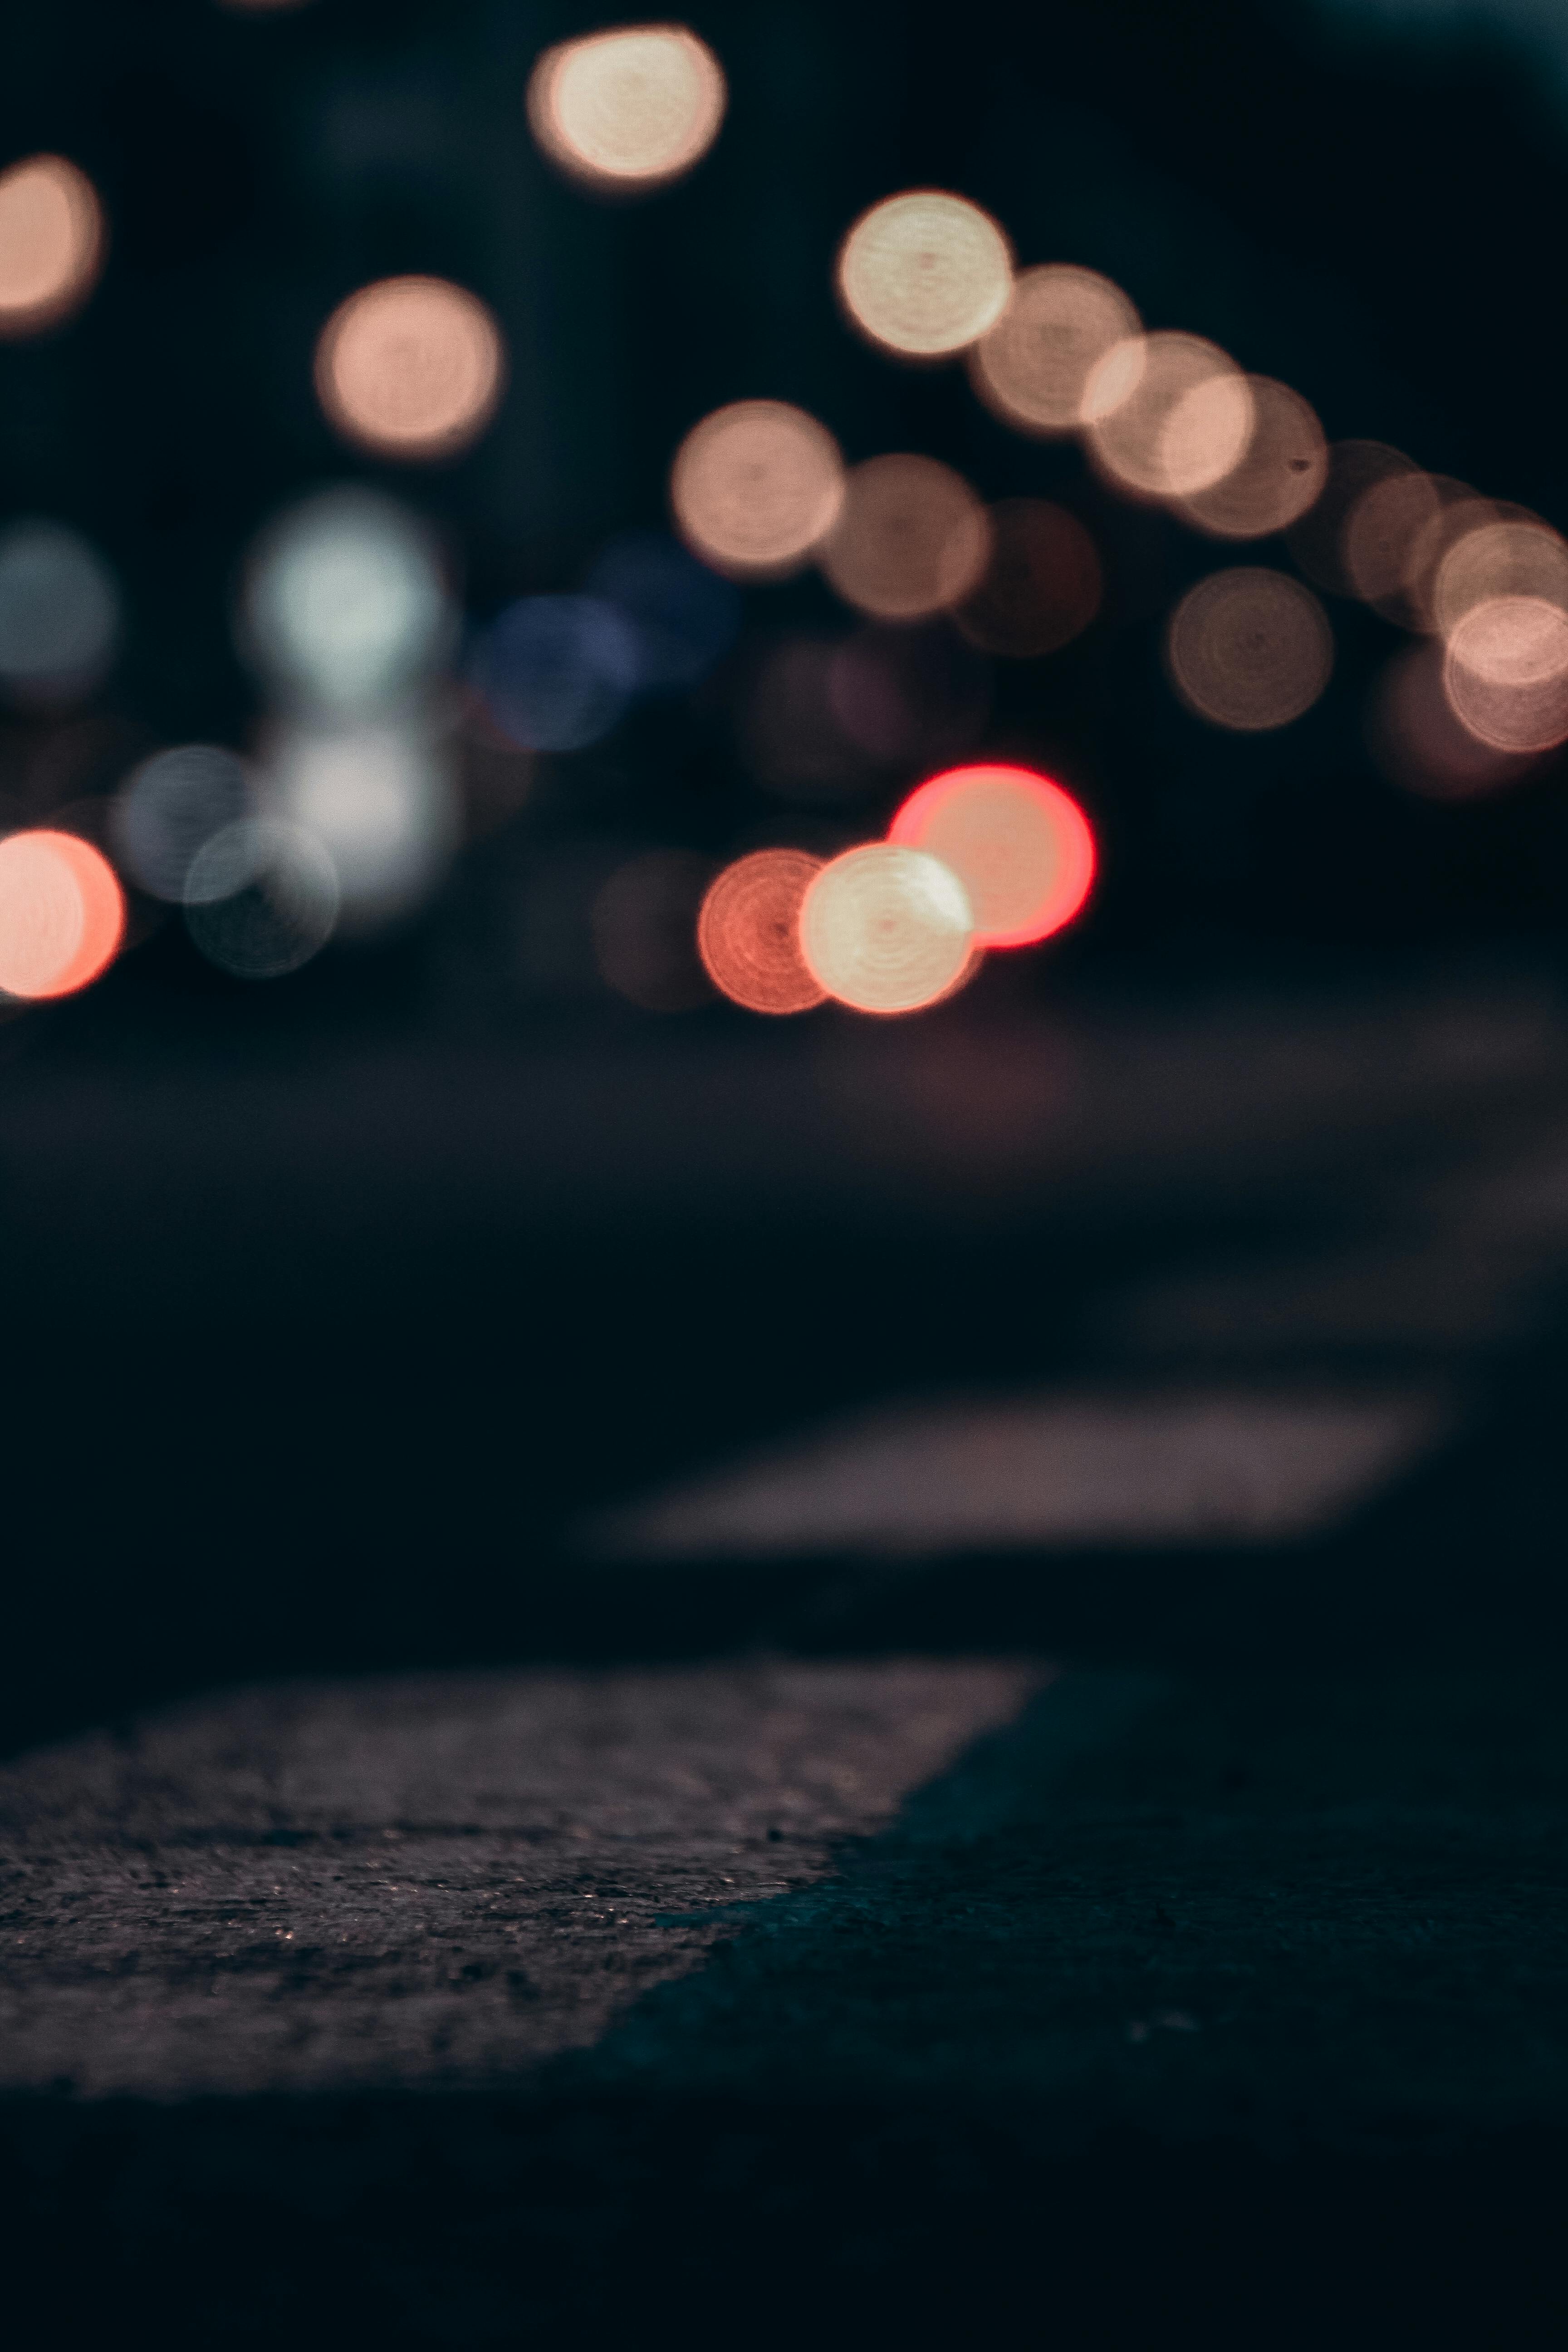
point(1281, 472)
point(886, 928)
point(1166, 416)
point(925, 274)
point(1031, 366)
point(1249, 649)
point(913, 539)
point(755, 488)
point(627, 109)
point(411, 368)
point(51, 244)
point(1503, 558)
point(1506, 675)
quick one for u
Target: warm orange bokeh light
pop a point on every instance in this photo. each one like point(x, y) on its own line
point(755, 488)
point(913, 539)
point(924, 274)
point(886, 929)
point(1505, 557)
point(1384, 540)
point(411, 367)
point(1249, 649)
point(1020, 846)
point(627, 109)
point(1033, 364)
point(51, 243)
point(1506, 676)
point(62, 915)
point(1041, 585)
point(748, 931)
point(1282, 471)
point(1167, 415)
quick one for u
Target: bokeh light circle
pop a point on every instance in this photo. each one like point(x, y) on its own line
point(261, 898)
point(1249, 649)
point(1167, 415)
point(345, 606)
point(886, 929)
point(627, 109)
point(1505, 673)
point(1031, 366)
point(51, 243)
point(1021, 846)
point(62, 913)
point(1042, 582)
point(913, 539)
point(170, 806)
point(1502, 558)
point(59, 613)
point(556, 673)
point(925, 273)
point(1278, 475)
point(755, 488)
point(748, 931)
point(380, 804)
point(410, 367)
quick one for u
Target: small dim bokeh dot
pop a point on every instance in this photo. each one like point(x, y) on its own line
point(1041, 586)
point(1249, 649)
point(410, 367)
point(1031, 366)
point(62, 915)
point(1167, 415)
point(748, 931)
point(1020, 846)
point(51, 243)
point(756, 488)
point(913, 539)
point(886, 929)
point(627, 109)
point(925, 274)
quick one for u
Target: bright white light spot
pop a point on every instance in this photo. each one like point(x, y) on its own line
point(346, 608)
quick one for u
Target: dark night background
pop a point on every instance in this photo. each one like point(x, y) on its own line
point(330, 1304)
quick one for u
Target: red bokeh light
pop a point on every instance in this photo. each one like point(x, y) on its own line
point(62, 913)
point(1021, 846)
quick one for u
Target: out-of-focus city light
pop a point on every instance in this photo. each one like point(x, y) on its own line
point(1032, 365)
point(555, 673)
point(62, 915)
point(627, 109)
point(381, 805)
point(1249, 649)
point(1020, 846)
point(792, 732)
point(913, 539)
point(1506, 675)
point(748, 931)
point(644, 922)
point(925, 274)
point(51, 243)
point(411, 368)
point(886, 929)
point(1041, 586)
point(1500, 558)
point(1167, 415)
point(170, 808)
point(1280, 474)
point(909, 693)
point(59, 613)
point(1420, 744)
point(756, 487)
point(1317, 539)
point(1384, 540)
point(686, 617)
point(261, 898)
point(346, 608)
